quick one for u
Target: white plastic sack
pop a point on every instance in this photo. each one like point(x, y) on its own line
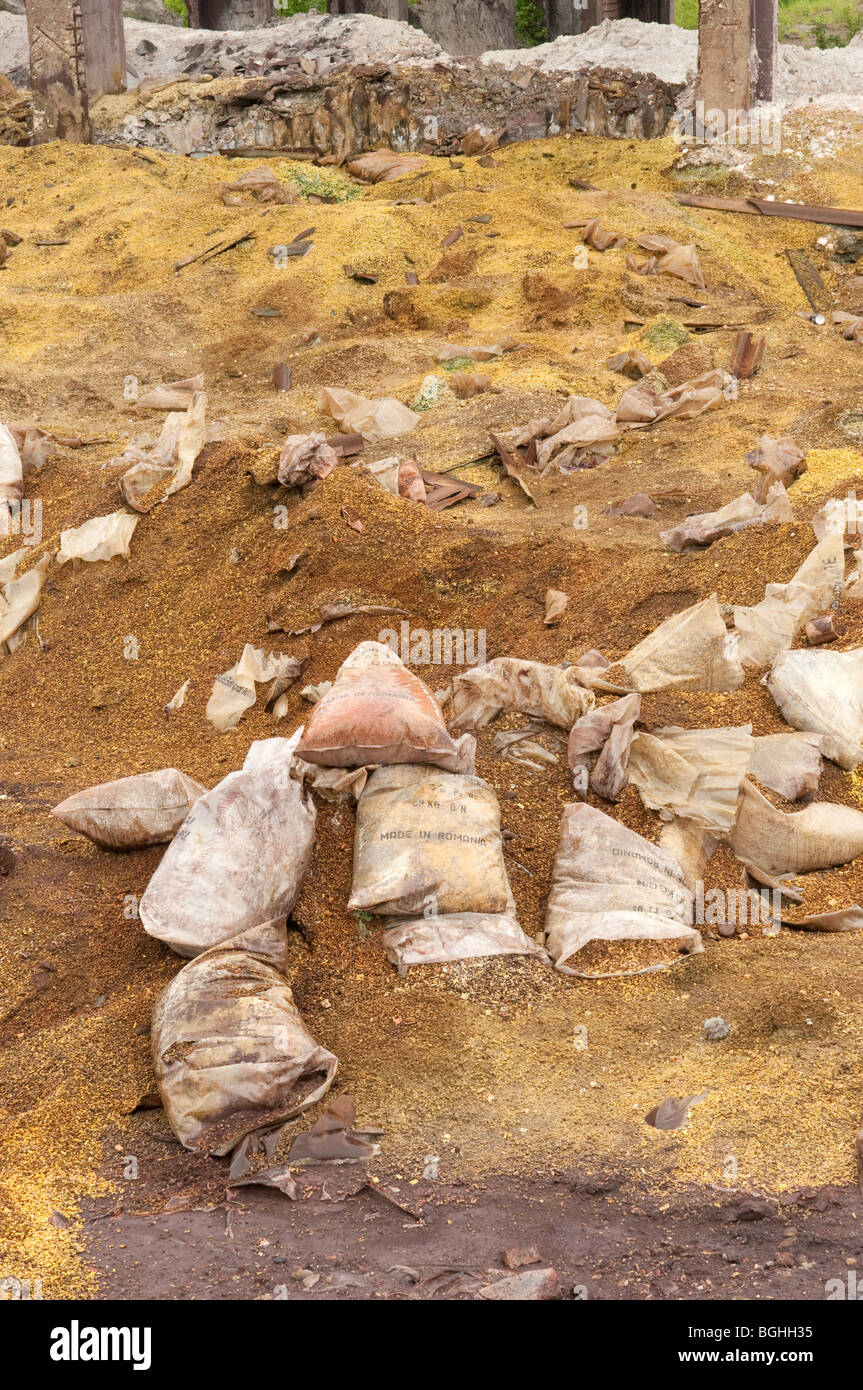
point(610, 884)
point(820, 836)
point(691, 650)
point(100, 538)
point(822, 691)
point(239, 858)
point(374, 420)
point(552, 693)
point(695, 773)
point(230, 1050)
point(428, 841)
point(771, 625)
point(132, 812)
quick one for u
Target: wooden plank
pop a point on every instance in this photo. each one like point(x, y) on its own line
point(799, 212)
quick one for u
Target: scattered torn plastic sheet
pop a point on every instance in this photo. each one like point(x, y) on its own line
point(10, 563)
point(611, 885)
point(20, 599)
point(639, 405)
point(820, 836)
point(607, 729)
point(630, 363)
point(777, 461)
point(381, 166)
point(100, 538)
point(157, 473)
point(552, 693)
point(821, 692)
point(235, 691)
point(172, 395)
point(132, 812)
point(789, 764)
point(691, 650)
point(230, 1050)
point(459, 936)
point(770, 626)
point(305, 457)
point(694, 773)
point(333, 783)
point(842, 919)
point(556, 604)
point(377, 712)
point(706, 527)
point(11, 472)
point(673, 1112)
point(428, 840)
point(375, 420)
point(238, 859)
point(839, 516)
point(336, 1138)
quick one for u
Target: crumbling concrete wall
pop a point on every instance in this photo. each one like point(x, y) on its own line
point(468, 27)
point(429, 109)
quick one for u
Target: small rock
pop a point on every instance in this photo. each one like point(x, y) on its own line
point(715, 1029)
point(515, 1258)
point(534, 1285)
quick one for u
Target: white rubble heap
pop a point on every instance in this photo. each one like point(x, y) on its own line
point(670, 53)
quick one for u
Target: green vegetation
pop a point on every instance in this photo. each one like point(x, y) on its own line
point(828, 23)
point(289, 7)
point(178, 7)
point(529, 23)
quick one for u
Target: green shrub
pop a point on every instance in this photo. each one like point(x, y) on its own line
point(529, 23)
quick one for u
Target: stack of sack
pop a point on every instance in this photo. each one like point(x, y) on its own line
point(428, 851)
point(230, 1050)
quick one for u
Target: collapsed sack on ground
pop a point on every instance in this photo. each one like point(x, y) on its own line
point(459, 936)
point(428, 840)
point(618, 905)
point(820, 836)
point(695, 773)
point(377, 711)
point(132, 812)
point(239, 858)
point(552, 693)
point(822, 692)
point(691, 650)
point(767, 628)
point(230, 1050)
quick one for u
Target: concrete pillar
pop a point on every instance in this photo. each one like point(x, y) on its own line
point(765, 24)
point(726, 68)
point(104, 46)
point(57, 71)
